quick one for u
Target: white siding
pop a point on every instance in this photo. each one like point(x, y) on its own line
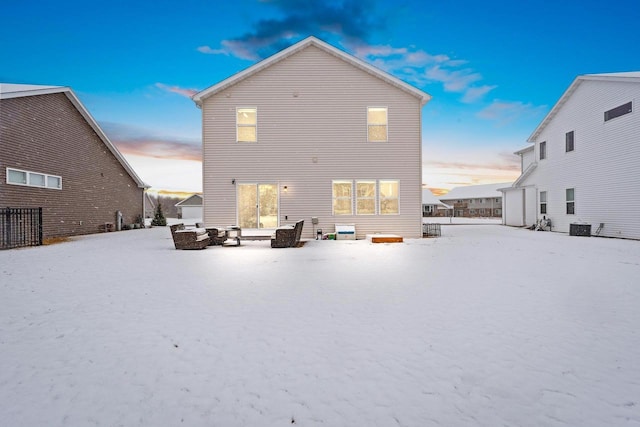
point(528, 157)
point(513, 207)
point(604, 168)
point(312, 129)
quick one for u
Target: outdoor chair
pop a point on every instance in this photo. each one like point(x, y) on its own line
point(194, 238)
point(287, 236)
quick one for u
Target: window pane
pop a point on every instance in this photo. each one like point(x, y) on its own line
point(342, 206)
point(342, 189)
point(389, 189)
point(247, 116)
point(377, 116)
point(570, 195)
point(342, 202)
point(377, 133)
point(570, 208)
point(618, 111)
point(17, 177)
point(36, 179)
point(366, 189)
point(53, 182)
point(366, 207)
point(247, 134)
point(389, 206)
point(543, 196)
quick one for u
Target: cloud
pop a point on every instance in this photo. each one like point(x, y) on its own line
point(176, 89)
point(141, 142)
point(349, 19)
point(353, 23)
point(505, 112)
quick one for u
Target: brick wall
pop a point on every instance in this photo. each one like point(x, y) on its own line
point(47, 134)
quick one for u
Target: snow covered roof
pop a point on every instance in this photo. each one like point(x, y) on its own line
point(429, 199)
point(303, 44)
point(11, 90)
point(476, 191)
point(629, 77)
point(194, 200)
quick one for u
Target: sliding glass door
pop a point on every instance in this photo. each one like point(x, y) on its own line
point(258, 205)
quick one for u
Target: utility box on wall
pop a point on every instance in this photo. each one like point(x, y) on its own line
point(345, 232)
point(580, 229)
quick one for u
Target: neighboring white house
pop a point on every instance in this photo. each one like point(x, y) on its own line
point(313, 133)
point(431, 205)
point(475, 200)
point(191, 207)
point(584, 164)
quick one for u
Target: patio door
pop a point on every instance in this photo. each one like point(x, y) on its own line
point(258, 205)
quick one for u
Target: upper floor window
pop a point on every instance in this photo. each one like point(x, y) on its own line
point(618, 111)
point(247, 124)
point(389, 197)
point(571, 202)
point(33, 179)
point(568, 138)
point(377, 124)
point(543, 150)
point(365, 197)
point(543, 202)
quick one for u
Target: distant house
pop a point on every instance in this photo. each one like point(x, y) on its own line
point(312, 132)
point(191, 207)
point(55, 156)
point(475, 200)
point(431, 205)
point(583, 166)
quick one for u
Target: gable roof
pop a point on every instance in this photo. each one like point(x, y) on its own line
point(629, 77)
point(291, 50)
point(194, 200)
point(475, 191)
point(10, 90)
point(429, 199)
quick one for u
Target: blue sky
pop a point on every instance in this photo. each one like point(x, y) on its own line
point(494, 68)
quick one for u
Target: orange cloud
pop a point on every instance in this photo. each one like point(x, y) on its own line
point(160, 149)
point(176, 89)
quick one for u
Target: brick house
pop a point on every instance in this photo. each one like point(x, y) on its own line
point(54, 155)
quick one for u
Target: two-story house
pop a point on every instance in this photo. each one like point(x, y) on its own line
point(313, 133)
point(483, 200)
point(54, 156)
point(583, 166)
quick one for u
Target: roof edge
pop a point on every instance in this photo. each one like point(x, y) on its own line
point(304, 43)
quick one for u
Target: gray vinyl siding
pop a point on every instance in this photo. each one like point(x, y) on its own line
point(312, 129)
point(604, 167)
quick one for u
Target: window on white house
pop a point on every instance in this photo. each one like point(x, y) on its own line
point(543, 202)
point(342, 198)
point(569, 143)
point(365, 197)
point(377, 124)
point(33, 179)
point(570, 197)
point(543, 150)
point(247, 124)
point(618, 111)
point(389, 197)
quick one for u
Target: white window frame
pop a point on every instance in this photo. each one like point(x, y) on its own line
point(374, 197)
point(385, 124)
point(572, 148)
point(381, 199)
point(572, 201)
point(543, 202)
point(29, 175)
point(334, 197)
point(543, 150)
point(238, 125)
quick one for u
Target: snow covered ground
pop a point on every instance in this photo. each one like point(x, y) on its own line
point(484, 326)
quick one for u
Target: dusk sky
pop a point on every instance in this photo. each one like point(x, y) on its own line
point(494, 68)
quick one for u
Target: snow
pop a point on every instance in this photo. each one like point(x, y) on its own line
point(484, 326)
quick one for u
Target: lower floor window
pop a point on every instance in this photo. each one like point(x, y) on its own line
point(371, 197)
point(33, 179)
point(543, 202)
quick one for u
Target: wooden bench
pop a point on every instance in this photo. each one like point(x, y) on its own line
point(193, 238)
point(287, 236)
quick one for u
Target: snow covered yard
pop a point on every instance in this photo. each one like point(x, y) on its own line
point(484, 326)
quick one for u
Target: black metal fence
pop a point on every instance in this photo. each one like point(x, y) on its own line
point(20, 227)
point(431, 230)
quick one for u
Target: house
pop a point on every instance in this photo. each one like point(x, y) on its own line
point(313, 133)
point(583, 164)
point(475, 200)
point(191, 207)
point(431, 205)
point(55, 156)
